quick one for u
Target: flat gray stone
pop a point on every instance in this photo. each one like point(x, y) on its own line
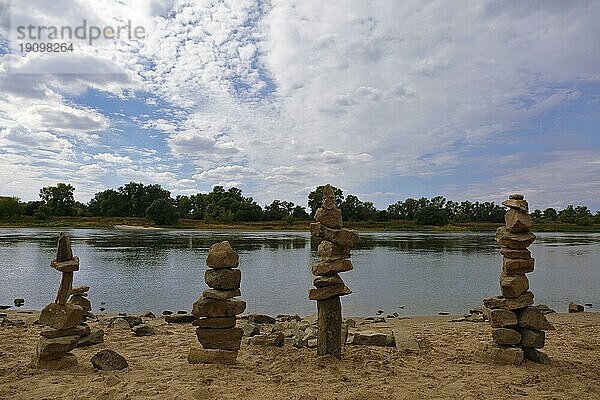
point(406, 341)
point(96, 336)
point(503, 318)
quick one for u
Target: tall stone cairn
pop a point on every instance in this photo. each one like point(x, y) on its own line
point(217, 308)
point(63, 321)
point(518, 326)
point(334, 257)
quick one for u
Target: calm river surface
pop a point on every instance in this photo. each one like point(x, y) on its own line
point(135, 271)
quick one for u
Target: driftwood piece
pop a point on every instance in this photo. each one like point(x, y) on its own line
point(329, 340)
point(66, 284)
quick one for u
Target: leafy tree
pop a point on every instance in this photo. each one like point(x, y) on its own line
point(59, 199)
point(537, 215)
point(584, 216)
point(32, 206)
point(108, 203)
point(550, 214)
point(284, 211)
point(567, 215)
point(315, 198)
point(278, 210)
point(10, 207)
point(353, 209)
point(138, 197)
point(184, 206)
point(248, 211)
point(431, 215)
point(410, 208)
point(299, 213)
point(579, 215)
point(198, 206)
point(162, 212)
point(225, 206)
point(130, 200)
point(42, 212)
point(81, 210)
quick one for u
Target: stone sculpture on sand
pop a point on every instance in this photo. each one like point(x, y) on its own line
point(334, 257)
point(62, 320)
point(217, 308)
point(518, 326)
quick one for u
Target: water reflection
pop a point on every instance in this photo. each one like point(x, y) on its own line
point(425, 272)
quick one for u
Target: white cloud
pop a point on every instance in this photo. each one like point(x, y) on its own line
point(91, 170)
point(227, 173)
point(286, 96)
point(18, 136)
point(111, 158)
point(153, 175)
point(564, 177)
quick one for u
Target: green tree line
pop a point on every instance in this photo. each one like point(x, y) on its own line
point(229, 206)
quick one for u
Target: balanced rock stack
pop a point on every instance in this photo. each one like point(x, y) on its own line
point(79, 297)
point(62, 320)
point(217, 308)
point(334, 257)
point(518, 326)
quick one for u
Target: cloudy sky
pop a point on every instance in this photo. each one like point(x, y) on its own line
point(385, 99)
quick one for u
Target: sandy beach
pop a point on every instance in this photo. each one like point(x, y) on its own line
point(444, 367)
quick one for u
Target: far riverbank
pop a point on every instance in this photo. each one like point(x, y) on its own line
point(387, 226)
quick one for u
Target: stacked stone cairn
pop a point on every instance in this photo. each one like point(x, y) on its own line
point(518, 326)
point(334, 257)
point(217, 308)
point(79, 297)
point(62, 321)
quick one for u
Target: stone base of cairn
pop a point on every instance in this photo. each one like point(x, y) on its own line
point(217, 308)
point(334, 257)
point(518, 326)
point(62, 321)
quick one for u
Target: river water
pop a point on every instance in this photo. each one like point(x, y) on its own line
point(425, 273)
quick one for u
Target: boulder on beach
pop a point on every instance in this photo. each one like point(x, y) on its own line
point(575, 308)
point(143, 330)
point(107, 360)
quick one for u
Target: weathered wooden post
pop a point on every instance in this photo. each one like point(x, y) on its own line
point(334, 257)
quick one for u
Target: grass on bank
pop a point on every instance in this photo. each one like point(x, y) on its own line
point(392, 226)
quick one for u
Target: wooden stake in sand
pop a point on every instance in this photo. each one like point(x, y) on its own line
point(334, 257)
point(329, 339)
